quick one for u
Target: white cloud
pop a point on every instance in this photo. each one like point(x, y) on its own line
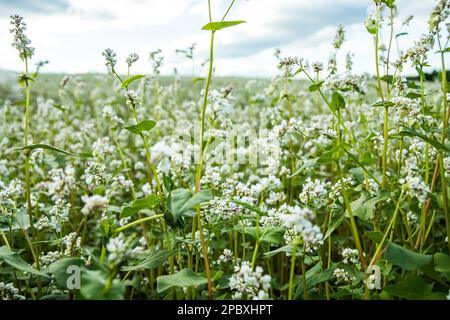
point(73, 40)
point(130, 13)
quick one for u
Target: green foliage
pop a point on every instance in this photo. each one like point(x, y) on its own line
point(143, 126)
point(184, 278)
point(154, 260)
point(215, 26)
point(181, 202)
point(149, 202)
point(406, 259)
point(130, 80)
point(14, 260)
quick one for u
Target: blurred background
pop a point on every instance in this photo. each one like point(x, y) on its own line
point(72, 34)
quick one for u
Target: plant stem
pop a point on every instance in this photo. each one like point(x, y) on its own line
point(351, 216)
point(137, 222)
point(291, 273)
point(198, 174)
point(386, 111)
point(443, 138)
point(391, 223)
point(27, 152)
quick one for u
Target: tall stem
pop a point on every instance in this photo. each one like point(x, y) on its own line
point(292, 273)
point(443, 138)
point(27, 152)
point(198, 174)
point(381, 95)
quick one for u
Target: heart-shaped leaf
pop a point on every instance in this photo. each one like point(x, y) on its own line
point(184, 278)
point(145, 125)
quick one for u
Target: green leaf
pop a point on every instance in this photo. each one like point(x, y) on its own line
point(383, 104)
point(199, 79)
point(59, 269)
point(137, 205)
point(21, 221)
point(181, 202)
point(406, 259)
point(314, 277)
point(444, 50)
point(442, 263)
point(154, 260)
point(107, 228)
point(371, 28)
point(24, 79)
point(47, 147)
point(413, 287)
point(184, 278)
point(389, 3)
point(145, 125)
point(59, 107)
point(287, 249)
point(14, 260)
point(315, 87)
point(374, 235)
point(215, 26)
point(387, 78)
point(127, 82)
point(55, 296)
point(307, 163)
point(267, 235)
point(335, 222)
point(364, 208)
point(412, 133)
point(337, 101)
point(413, 95)
point(401, 34)
point(94, 284)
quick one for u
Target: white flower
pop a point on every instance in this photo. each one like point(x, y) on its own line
point(108, 112)
point(132, 99)
point(62, 182)
point(95, 174)
point(72, 243)
point(313, 192)
point(93, 203)
point(44, 223)
point(132, 58)
point(21, 42)
point(351, 257)
point(120, 182)
point(414, 186)
point(226, 256)
point(101, 147)
point(248, 284)
point(342, 275)
point(110, 57)
point(61, 211)
point(116, 248)
point(9, 292)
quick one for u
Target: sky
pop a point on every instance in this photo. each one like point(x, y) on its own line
point(72, 34)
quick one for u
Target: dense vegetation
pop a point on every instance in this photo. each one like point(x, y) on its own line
point(316, 184)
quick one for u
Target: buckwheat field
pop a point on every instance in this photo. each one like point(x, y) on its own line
point(318, 183)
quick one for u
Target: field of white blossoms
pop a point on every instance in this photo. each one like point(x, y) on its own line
point(316, 184)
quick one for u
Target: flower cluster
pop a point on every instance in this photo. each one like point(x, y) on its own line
point(9, 292)
point(313, 192)
point(111, 58)
point(248, 283)
point(21, 42)
point(132, 58)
